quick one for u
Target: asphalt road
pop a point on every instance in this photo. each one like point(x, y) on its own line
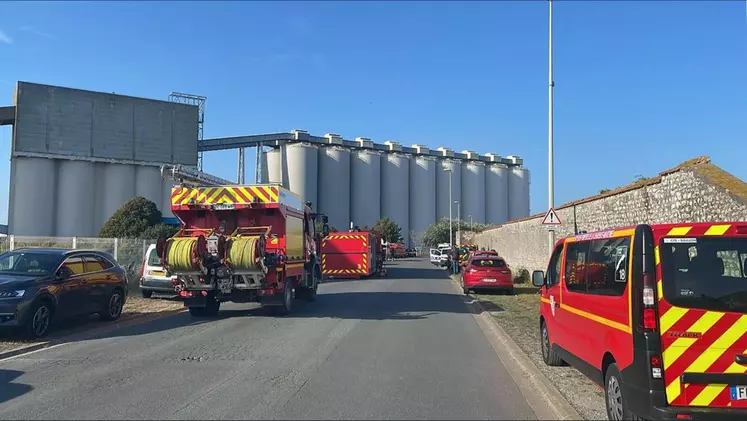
point(402, 347)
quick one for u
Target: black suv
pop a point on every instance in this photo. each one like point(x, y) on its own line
point(39, 284)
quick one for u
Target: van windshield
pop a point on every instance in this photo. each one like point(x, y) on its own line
point(706, 273)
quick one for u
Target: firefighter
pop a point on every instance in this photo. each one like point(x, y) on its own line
point(455, 260)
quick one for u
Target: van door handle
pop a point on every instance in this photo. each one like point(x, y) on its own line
point(741, 359)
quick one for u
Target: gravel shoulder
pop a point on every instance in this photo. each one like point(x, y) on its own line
point(135, 307)
point(518, 316)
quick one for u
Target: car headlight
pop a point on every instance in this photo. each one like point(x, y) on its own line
point(12, 294)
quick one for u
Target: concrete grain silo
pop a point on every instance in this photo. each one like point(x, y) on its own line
point(496, 191)
point(422, 195)
point(274, 166)
point(473, 190)
point(334, 183)
point(518, 193)
point(365, 186)
point(395, 188)
point(303, 170)
point(75, 199)
point(33, 185)
point(148, 185)
point(442, 186)
point(118, 187)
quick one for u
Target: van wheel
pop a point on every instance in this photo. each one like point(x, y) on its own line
point(548, 355)
point(617, 409)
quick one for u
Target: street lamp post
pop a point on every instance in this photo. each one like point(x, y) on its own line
point(550, 158)
point(459, 218)
point(451, 243)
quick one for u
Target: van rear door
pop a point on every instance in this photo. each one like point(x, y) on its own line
point(702, 315)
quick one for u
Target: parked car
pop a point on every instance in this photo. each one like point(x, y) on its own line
point(487, 272)
point(655, 315)
point(153, 276)
point(41, 285)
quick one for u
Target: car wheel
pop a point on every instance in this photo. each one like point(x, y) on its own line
point(548, 355)
point(39, 321)
point(114, 306)
point(146, 293)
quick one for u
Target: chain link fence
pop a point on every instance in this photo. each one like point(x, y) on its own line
point(128, 252)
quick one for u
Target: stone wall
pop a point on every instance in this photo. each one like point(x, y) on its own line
point(695, 191)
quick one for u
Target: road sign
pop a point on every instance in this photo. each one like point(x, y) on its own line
point(551, 218)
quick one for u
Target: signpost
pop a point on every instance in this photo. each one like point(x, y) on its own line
point(551, 219)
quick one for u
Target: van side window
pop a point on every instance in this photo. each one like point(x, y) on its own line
point(553, 269)
point(576, 266)
point(607, 266)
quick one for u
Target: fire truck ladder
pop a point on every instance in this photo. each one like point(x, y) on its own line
point(191, 177)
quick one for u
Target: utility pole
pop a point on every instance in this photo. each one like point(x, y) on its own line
point(550, 155)
point(451, 241)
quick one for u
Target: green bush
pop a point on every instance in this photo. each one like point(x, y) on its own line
point(521, 275)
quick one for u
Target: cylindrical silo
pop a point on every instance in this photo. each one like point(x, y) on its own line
point(118, 187)
point(165, 204)
point(75, 199)
point(32, 203)
point(148, 184)
point(443, 168)
point(303, 170)
point(473, 191)
point(496, 194)
point(334, 186)
point(274, 166)
point(395, 191)
point(422, 196)
point(518, 193)
point(365, 188)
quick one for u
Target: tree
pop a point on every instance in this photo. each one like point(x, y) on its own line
point(439, 232)
point(132, 220)
point(388, 230)
point(159, 230)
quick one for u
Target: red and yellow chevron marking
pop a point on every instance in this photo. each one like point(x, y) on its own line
point(348, 236)
point(715, 338)
point(229, 195)
point(344, 272)
point(364, 266)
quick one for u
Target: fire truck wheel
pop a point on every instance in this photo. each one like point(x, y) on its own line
point(286, 305)
point(548, 355)
point(617, 408)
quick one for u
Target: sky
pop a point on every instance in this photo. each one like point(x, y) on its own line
point(640, 86)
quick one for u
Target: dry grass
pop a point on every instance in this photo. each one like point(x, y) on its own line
point(518, 315)
point(134, 308)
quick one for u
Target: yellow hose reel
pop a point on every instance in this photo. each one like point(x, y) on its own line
point(184, 254)
point(245, 252)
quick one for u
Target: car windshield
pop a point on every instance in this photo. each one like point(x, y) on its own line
point(488, 263)
point(705, 273)
point(28, 263)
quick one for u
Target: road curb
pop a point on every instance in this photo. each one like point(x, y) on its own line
point(540, 393)
point(81, 335)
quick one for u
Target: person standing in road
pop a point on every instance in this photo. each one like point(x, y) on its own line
point(455, 260)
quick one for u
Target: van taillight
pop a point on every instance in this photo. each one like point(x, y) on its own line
point(741, 229)
point(649, 302)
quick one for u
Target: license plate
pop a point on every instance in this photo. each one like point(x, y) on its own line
point(739, 393)
point(488, 280)
point(157, 273)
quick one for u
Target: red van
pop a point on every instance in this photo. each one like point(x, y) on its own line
point(656, 315)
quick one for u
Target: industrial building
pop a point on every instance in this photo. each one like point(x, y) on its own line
point(77, 156)
point(361, 181)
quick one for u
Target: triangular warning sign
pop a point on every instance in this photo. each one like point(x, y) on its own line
point(551, 218)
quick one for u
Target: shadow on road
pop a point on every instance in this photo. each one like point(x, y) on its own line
point(9, 390)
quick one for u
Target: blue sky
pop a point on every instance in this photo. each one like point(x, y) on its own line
point(640, 86)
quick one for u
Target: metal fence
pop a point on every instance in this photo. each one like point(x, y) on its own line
point(128, 252)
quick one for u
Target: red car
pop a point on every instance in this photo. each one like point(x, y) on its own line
point(487, 272)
